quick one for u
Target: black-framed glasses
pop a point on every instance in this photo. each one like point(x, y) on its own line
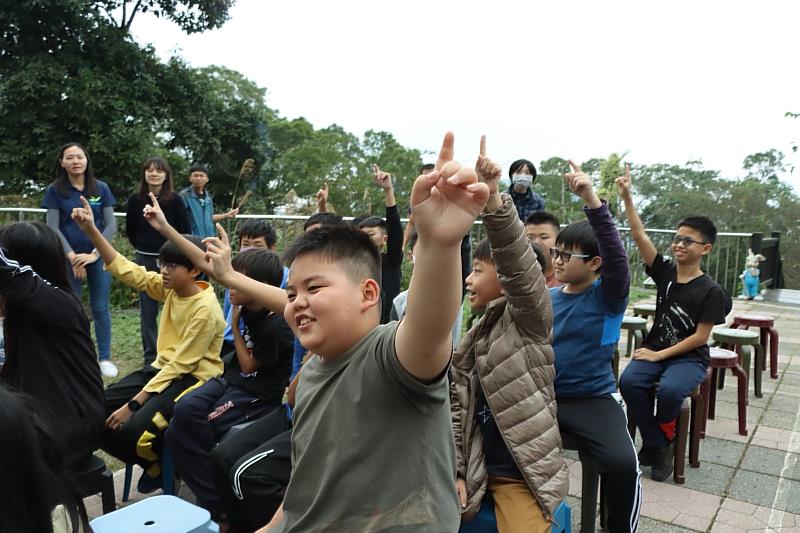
point(566, 256)
point(169, 267)
point(686, 241)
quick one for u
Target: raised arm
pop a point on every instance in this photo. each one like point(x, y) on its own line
point(520, 274)
point(218, 256)
point(394, 246)
point(216, 260)
point(614, 269)
point(452, 194)
point(643, 242)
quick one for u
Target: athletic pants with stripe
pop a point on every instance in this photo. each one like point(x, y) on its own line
point(600, 425)
point(140, 439)
point(192, 436)
point(252, 469)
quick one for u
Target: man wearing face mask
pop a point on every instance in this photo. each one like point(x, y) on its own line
point(527, 202)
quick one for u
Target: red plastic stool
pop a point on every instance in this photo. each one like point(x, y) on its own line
point(721, 359)
point(769, 336)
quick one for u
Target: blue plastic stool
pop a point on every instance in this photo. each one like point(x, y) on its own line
point(159, 514)
point(485, 522)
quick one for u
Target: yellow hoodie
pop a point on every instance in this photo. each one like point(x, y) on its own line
point(190, 332)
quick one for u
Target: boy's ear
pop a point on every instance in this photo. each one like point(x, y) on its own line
point(370, 294)
point(595, 263)
point(707, 248)
point(195, 272)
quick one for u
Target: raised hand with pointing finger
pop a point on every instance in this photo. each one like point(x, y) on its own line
point(447, 201)
point(624, 182)
point(322, 198)
point(489, 173)
point(154, 215)
point(581, 185)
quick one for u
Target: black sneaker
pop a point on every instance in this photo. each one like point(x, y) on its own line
point(646, 455)
point(663, 462)
point(148, 484)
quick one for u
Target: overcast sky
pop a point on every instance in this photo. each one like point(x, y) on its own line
point(667, 82)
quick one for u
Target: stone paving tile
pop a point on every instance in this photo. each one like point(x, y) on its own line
point(710, 478)
point(780, 419)
point(760, 489)
point(679, 505)
point(730, 410)
point(779, 439)
point(728, 429)
point(720, 451)
point(767, 461)
point(648, 525)
point(784, 402)
point(738, 516)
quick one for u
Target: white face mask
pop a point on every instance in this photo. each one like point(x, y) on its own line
point(523, 180)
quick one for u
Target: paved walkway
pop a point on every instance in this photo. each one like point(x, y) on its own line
point(747, 483)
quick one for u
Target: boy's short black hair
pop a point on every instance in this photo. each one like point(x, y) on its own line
point(342, 244)
point(258, 227)
point(427, 167)
point(198, 167)
point(261, 265)
point(357, 220)
point(323, 219)
point(483, 252)
point(374, 222)
point(170, 253)
point(519, 164)
point(703, 225)
point(579, 236)
point(543, 217)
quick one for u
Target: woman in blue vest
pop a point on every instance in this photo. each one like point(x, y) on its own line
point(74, 178)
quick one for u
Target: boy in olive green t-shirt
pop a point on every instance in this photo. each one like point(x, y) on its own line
point(372, 444)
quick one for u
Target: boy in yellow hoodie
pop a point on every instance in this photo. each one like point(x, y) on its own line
point(140, 405)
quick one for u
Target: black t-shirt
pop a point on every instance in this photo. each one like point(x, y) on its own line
point(680, 307)
point(499, 461)
point(270, 340)
point(141, 234)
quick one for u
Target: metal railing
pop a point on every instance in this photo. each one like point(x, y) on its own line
point(725, 263)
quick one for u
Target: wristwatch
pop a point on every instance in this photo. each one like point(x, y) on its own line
point(134, 406)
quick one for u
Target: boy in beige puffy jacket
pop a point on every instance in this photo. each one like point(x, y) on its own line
point(504, 412)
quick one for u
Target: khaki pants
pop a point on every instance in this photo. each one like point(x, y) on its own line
point(515, 507)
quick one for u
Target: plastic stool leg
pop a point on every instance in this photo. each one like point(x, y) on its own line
point(107, 494)
point(695, 430)
point(773, 353)
point(126, 486)
point(742, 399)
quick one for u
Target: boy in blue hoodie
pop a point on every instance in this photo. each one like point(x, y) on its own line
point(587, 313)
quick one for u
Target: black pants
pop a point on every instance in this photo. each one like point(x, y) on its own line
point(252, 469)
point(148, 313)
point(599, 424)
point(191, 434)
point(140, 438)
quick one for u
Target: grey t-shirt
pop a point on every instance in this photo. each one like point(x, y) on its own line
point(372, 447)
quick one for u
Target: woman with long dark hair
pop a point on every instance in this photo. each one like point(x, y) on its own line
point(74, 177)
point(49, 350)
point(34, 494)
point(156, 178)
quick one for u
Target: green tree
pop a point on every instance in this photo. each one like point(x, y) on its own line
point(192, 16)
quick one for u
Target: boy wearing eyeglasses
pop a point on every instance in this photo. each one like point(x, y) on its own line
point(590, 260)
point(140, 405)
point(675, 353)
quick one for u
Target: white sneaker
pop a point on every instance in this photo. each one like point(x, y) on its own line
point(108, 369)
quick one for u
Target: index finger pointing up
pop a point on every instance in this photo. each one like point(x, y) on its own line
point(153, 199)
point(628, 170)
point(575, 166)
point(483, 146)
point(446, 153)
